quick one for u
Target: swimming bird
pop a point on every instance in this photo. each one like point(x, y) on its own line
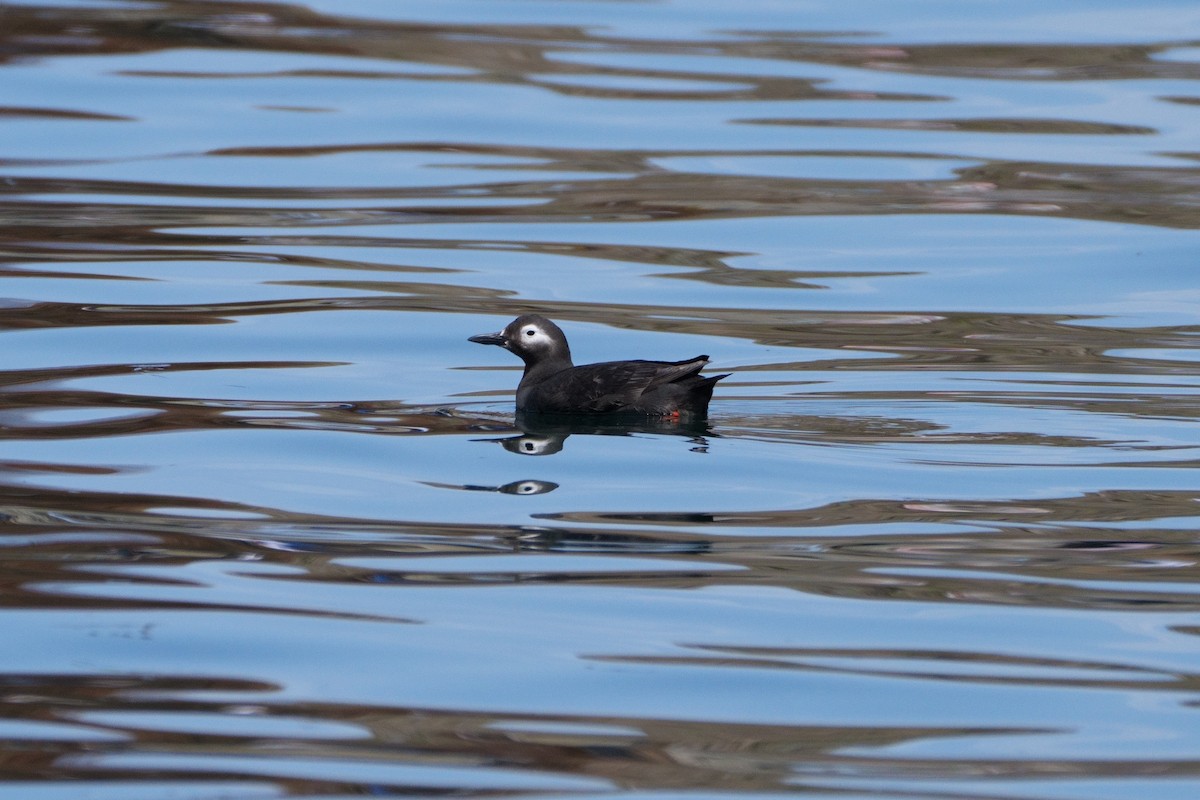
point(552, 384)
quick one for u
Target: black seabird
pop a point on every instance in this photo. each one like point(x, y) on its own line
point(552, 384)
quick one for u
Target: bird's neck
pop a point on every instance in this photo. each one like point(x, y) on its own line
point(535, 373)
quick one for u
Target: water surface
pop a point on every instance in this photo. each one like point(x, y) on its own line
point(270, 525)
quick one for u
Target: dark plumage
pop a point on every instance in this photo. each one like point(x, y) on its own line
point(552, 384)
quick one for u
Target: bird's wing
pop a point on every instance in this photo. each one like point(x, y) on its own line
point(609, 386)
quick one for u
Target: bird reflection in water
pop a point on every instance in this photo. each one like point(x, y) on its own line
point(546, 434)
point(525, 487)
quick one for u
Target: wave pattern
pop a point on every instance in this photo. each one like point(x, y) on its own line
point(270, 525)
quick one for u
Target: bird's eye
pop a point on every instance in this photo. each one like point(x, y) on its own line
point(529, 331)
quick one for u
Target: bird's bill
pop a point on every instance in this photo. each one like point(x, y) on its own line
point(489, 338)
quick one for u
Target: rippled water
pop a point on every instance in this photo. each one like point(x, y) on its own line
point(271, 528)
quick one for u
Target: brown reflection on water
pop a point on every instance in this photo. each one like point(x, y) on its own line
point(948, 665)
point(82, 550)
point(1105, 550)
point(918, 340)
point(980, 125)
point(150, 716)
point(29, 395)
point(511, 54)
point(526, 55)
point(33, 397)
point(145, 715)
point(122, 414)
point(1111, 506)
point(1159, 196)
point(505, 52)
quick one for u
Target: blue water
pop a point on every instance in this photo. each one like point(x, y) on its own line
point(272, 529)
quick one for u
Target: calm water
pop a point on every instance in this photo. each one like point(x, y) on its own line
point(271, 529)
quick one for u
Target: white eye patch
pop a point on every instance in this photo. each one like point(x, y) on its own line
point(533, 336)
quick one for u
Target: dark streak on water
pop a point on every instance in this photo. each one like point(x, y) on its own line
point(271, 528)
